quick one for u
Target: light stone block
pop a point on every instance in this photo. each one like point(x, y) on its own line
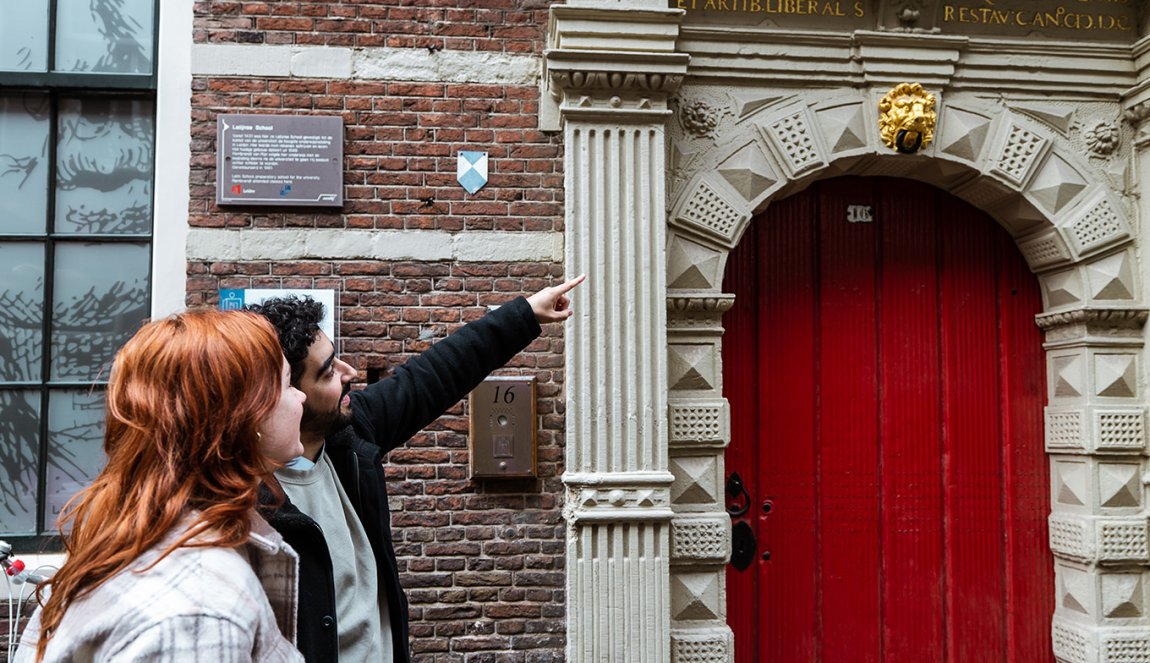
point(241, 60)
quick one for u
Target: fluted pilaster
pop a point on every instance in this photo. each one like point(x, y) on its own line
point(615, 234)
point(609, 73)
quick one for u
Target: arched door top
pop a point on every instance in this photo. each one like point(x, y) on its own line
point(1062, 199)
point(1020, 164)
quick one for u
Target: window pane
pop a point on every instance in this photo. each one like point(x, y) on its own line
point(100, 300)
point(105, 36)
point(104, 166)
point(21, 311)
point(24, 35)
point(23, 162)
point(19, 458)
point(75, 446)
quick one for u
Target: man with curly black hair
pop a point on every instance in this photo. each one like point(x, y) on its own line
point(335, 514)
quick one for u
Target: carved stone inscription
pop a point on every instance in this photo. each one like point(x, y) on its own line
point(1095, 20)
point(813, 14)
point(837, 8)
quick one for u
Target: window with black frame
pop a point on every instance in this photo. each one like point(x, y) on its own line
point(77, 146)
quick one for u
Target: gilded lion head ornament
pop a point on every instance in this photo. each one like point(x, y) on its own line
point(907, 118)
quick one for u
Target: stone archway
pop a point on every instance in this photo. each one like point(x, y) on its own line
point(656, 198)
point(1073, 231)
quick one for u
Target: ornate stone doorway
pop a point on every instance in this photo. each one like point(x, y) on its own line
point(674, 139)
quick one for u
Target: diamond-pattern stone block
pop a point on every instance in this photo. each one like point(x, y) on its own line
point(1095, 226)
point(696, 480)
point(962, 134)
point(1068, 376)
point(792, 136)
point(844, 127)
point(1097, 540)
point(701, 539)
point(710, 646)
point(1115, 375)
point(1095, 429)
point(1071, 483)
point(1072, 643)
point(698, 422)
point(1120, 429)
point(984, 192)
point(1019, 154)
point(1112, 277)
point(1118, 647)
point(1119, 485)
point(1123, 596)
point(1062, 288)
point(1071, 537)
point(1019, 215)
point(692, 366)
point(1075, 590)
point(695, 596)
point(1056, 184)
point(1122, 541)
point(692, 266)
point(1064, 429)
point(706, 210)
point(748, 171)
point(1043, 250)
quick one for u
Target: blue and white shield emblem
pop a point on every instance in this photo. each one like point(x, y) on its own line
point(471, 170)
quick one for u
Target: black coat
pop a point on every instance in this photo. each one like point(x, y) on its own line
point(384, 416)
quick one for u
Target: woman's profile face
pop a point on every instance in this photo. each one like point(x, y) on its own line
point(279, 432)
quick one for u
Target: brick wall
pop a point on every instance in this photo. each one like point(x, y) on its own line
point(510, 26)
point(483, 560)
point(401, 141)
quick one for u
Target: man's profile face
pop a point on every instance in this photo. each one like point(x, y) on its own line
point(326, 381)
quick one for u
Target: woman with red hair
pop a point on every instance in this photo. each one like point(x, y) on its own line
point(167, 557)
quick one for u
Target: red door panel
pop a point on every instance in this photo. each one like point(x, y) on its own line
point(847, 434)
point(911, 417)
point(886, 382)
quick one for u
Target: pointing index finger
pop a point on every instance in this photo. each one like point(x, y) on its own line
point(564, 288)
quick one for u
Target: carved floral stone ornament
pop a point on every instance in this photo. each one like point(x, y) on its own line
point(1102, 139)
point(698, 118)
point(907, 118)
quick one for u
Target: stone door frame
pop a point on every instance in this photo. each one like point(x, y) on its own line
point(664, 170)
point(1072, 231)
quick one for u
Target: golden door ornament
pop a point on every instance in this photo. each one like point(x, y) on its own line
point(907, 118)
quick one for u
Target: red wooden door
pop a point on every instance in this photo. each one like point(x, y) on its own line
point(886, 382)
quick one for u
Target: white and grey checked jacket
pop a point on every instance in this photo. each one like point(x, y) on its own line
point(215, 605)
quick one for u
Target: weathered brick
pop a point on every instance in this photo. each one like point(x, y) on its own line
point(401, 142)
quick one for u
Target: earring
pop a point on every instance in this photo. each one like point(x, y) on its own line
point(259, 438)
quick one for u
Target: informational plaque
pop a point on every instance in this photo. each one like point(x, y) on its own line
point(279, 160)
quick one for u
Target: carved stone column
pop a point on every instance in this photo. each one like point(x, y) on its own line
point(1096, 439)
point(700, 430)
point(609, 72)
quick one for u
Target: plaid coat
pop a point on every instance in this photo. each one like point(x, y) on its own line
point(217, 605)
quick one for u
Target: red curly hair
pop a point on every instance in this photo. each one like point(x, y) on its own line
point(185, 399)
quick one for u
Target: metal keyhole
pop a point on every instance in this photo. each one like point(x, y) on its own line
point(737, 490)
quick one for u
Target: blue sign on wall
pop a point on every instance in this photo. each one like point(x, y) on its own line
point(471, 170)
